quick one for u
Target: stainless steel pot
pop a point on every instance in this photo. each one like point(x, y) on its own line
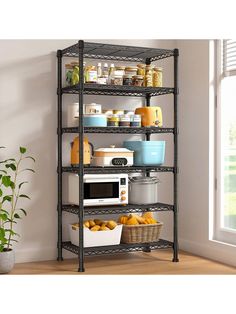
point(143, 190)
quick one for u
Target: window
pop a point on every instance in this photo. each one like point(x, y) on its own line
point(226, 141)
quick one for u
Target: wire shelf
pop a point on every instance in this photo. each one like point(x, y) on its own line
point(121, 248)
point(117, 52)
point(107, 210)
point(118, 90)
point(120, 130)
point(116, 169)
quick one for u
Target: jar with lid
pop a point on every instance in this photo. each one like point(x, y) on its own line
point(119, 70)
point(148, 76)
point(124, 120)
point(117, 80)
point(113, 120)
point(137, 80)
point(127, 79)
point(135, 120)
point(91, 74)
point(157, 76)
point(131, 70)
point(68, 74)
point(141, 69)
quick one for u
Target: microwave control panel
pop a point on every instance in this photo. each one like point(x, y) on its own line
point(124, 190)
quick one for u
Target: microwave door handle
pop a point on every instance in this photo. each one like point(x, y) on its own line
point(98, 180)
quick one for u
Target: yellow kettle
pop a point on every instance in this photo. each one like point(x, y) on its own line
point(150, 116)
point(88, 151)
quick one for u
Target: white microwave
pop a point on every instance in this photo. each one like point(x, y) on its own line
point(99, 189)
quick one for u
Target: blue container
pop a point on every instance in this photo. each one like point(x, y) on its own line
point(94, 120)
point(147, 153)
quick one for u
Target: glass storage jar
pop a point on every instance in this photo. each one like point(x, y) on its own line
point(117, 80)
point(141, 69)
point(135, 120)
point(124, 120)
point(113, 120)
point(148, 76)
point(127, 79)
point(157, 76)
point(137, 80)
point(131, 70)
point(68, 74)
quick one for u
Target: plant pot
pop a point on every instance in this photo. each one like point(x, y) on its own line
point(7, 261)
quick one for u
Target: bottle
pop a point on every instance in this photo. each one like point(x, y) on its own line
point(105, 70)
point(99, 69)
point(111, 73)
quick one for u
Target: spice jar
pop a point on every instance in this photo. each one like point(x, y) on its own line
point(113, 120)
point(124, 120)
point(127, 79)
point(117, 80)
point(118, 112)
point(148, 76)
point(141, 69)
point(135, 120)
point(131, 70)
point(157, 77)
point(137, 80)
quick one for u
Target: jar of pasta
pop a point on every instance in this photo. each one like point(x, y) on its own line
point(157, 77)
point(148, 76)
point(141, 69)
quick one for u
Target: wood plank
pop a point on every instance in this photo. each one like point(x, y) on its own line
point(156, 262)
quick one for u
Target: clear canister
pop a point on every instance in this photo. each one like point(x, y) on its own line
point(113, 120)
point(157, 76)
point(135, 120)
point(124, 120)
point(141, 69)
point(148, 76)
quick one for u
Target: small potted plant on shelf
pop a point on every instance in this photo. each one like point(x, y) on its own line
point(10, 208)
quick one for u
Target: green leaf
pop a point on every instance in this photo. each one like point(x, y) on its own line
point(12, 166)
point(17, 216)
point(25, 196)
point(7, 198)
point(0, 192)
point(2, 233)
point(12, 185)
point(20, 185)
point(30, 157)
point(22, 150)
point(6, 180)
point(3, 217)
point(23, 211)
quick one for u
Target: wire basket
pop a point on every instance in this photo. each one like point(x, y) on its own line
point(141, 233)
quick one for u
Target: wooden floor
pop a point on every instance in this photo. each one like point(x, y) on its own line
point(156, 262)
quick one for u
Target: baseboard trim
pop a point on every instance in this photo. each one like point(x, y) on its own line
point(213, 250)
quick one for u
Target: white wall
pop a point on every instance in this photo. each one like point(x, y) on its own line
point(29, 118)
point(196, 159)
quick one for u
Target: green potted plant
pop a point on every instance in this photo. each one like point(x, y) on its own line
point(10, 208)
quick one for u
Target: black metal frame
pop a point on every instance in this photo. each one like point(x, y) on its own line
point(121, 53)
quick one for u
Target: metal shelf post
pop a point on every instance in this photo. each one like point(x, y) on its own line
point(176, 92)
point(59, 150)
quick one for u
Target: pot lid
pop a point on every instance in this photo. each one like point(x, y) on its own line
point(144, 180)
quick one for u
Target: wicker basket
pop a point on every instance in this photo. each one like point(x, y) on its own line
point(141, 233)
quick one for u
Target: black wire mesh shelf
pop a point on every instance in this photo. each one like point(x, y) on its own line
point(123, 169)
point(121, 248)
point(120, 130)
point(117, 52)
point(107, 210)
point(118, 90)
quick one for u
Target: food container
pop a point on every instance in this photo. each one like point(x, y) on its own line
point(95, 120)
point(135, 120)
point(91, 74)
point(151, 116)
point(148, 76)
point(147, 153)
point(98, 238)
point(124, 120)
point(137, 80)
point(93, 109)
point(72, 114)
point(127, 79)
point(131, 70)
point(141, 69)
point(102, 80)
point(141, 233)
point(143, 190)
point(68, 74)
point(113, 120)
point(119, 71)
point(117, 80)
point(118, 112)
point(157, 77)
point(112, 156)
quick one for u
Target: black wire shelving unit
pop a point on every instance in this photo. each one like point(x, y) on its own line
point(82, 50)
